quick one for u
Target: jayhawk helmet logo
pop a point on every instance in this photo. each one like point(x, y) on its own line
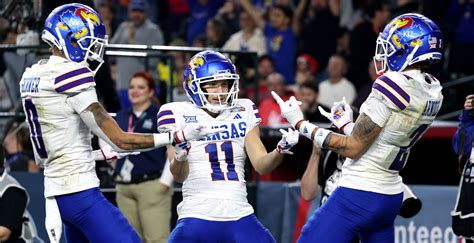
point(402, 23)
point(196, 62)
point(87, 15)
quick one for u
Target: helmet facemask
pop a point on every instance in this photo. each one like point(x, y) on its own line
point(94, 51)
point(227, 99)
point(383, 49)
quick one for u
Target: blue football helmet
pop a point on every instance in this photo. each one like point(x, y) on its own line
point(408, 39)
point(207, 66)
point(78, 31)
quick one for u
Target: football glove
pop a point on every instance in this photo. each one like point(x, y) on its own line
point(181, 151)
point(288, 140)
point(108, 153)
point(290, 109)
point(341, 114)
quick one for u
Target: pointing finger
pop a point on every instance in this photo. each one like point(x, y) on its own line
point(276, 97)
point(323, 112)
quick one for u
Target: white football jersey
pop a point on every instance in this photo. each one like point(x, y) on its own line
point(404, 105)
point(61, 141)
point(215, 187)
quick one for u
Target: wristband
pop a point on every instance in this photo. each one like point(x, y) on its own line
point(306, 129)
point(321, 136)
point(162, 139)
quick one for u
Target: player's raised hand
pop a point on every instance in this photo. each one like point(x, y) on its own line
point(181, 151)
point(290, 109)
point(195, 131)
point(341, 113)
point(109, 153)
point(288, 140)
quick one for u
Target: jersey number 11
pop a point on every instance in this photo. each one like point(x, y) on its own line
point(217, 174)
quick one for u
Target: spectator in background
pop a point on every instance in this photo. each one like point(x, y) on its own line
point(18, 151)
point(363, 38)
point(462, 145)
point(306, 68)
point(280, 33)
point(343, 42)
point(249, 38)
point(266, 66)
point(144, 180)
point(308, 93)
point(200, 41)
point(320, 30)
point(461, 18)
point(337, 86)
point(13, 203)
point(351, 13)
point(201, 12)
point(269, 108)
point(138, 30)
point(107, 12)
point(164, 71)
point(462, 219)
point(229, 14)
point(216, 33)
point(177, 13)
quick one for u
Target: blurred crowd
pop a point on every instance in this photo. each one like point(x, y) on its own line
point(318, 50)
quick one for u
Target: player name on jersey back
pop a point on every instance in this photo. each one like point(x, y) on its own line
point(30, 85)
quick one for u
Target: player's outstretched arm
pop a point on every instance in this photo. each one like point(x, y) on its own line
point(309, 181)
point(104, 126)
point(262, 161)
point(353, 146)
point(364, 133)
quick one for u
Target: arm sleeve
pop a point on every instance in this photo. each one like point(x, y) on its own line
point(376, 108)
point(12, 207)
point(462, 140)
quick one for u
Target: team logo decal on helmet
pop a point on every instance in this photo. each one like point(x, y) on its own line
point(402, 22)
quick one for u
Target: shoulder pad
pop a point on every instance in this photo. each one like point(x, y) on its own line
point(391, 86)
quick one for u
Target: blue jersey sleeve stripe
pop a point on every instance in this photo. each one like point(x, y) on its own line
point(74, 84)
point(71, 74)
point(166, 121)
point(395, 87)
point(254, 106)
point(390, 96)
point(257, 115)
point(164, 113)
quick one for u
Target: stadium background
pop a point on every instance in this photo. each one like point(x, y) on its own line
point(432, 169)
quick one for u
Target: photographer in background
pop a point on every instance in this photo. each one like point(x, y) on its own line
point(13, 202)
point(463, 213)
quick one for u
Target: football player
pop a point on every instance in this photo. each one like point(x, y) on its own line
point(403, 103)
point(61, 108)
point(215, 206)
